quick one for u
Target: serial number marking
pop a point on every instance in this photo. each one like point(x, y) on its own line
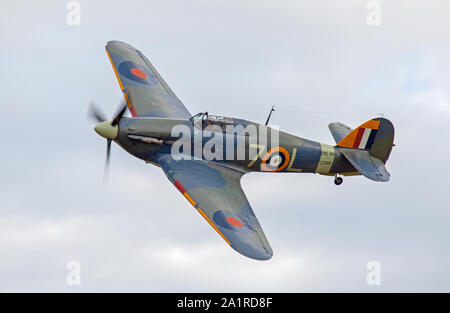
point(206, 304)
point(246, 302)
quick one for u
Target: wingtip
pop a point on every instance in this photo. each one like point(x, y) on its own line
point(257, 254)
point(118, 43)
point(266, 257)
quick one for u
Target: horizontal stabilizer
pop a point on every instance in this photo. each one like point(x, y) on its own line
point(367, 165)
point(339, 131)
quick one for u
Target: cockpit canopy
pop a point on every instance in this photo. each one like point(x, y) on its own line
point(202, 120)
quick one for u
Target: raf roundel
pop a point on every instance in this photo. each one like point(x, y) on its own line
point(275, 160)
point(233, 221)
point(138, 73)
point(228, 220)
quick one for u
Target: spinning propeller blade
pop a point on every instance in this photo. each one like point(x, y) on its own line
point(107, 129)
point(95, 113)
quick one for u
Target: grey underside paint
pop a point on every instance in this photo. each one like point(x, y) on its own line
point(367, 165)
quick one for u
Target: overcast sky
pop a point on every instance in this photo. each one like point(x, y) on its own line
point(318, 61)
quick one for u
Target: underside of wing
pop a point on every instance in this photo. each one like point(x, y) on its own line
point(366, 164)
point(215, 192)
point(146, 92)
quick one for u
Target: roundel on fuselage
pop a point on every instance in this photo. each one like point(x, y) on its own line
point(275, 160)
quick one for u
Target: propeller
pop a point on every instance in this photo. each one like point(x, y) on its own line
point(108, 153)
point(107, 129)
point(120, 112)
point(94, 113)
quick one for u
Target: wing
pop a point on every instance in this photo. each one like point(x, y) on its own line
point(339, 131)
point(366, 164)
point(215, 191)
point(147, 94)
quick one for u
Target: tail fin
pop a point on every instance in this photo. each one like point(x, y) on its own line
point(375, 136)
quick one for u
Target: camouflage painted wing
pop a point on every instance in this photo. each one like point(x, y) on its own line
point(147, 94)
point(215, 191)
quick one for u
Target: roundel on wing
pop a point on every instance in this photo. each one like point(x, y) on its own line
point(136, 73)
point(233, 221)
point(228, 219)
point(275, 160)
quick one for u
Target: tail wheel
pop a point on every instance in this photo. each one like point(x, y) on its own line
point(338, 180)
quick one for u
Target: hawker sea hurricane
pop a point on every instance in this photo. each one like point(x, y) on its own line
point(157, 131)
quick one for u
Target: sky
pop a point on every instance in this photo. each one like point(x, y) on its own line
point(318, 61)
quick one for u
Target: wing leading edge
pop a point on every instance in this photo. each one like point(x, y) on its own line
point(215, 192)
point(146, 92)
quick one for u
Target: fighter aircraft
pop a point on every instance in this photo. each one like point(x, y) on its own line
point(212, 184)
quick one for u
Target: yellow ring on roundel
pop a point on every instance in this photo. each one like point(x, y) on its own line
point(266, 156)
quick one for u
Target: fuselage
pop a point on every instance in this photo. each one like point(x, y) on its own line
point(236, 143)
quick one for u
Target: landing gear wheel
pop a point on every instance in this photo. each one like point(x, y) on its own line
point(338, 180)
